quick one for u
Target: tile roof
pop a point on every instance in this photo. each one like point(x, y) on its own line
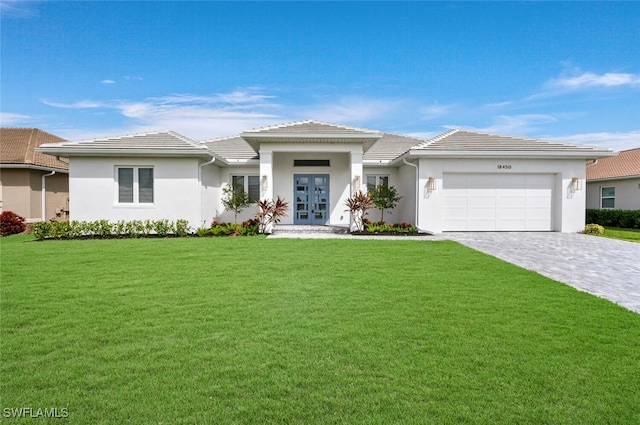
point(231, 148)
point(156, 143)
point(470, 141)
point(625, 164)
point(390, 146)
point(17, 146)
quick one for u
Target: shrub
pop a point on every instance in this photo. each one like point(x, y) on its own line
point(627, 219)
point(358, 205)
point(203, 231)
point(11, 223)
point(593, 229)
point(270, 212)
point(382, 227)
point(162, 227)
point(182, 228)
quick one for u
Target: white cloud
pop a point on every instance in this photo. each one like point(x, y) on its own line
point(17, 9)
point(349, 110)
point(613, 140)
point(83, 104)
point(9, 118)
point(590, 79)
point(519, 124)
point(435, 111)
point(108, 82)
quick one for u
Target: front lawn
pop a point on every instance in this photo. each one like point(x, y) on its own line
point(632, 235)
point(255, 330)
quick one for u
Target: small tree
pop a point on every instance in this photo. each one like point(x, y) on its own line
point(384, 198)
point(235, 199)
point(358, 205)
point(271, 212)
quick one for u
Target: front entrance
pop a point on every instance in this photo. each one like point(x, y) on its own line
point(311, 194)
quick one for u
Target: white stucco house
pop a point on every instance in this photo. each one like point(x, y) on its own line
point(614, 183)
point(459, 181)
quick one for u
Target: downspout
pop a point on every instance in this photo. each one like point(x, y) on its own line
point(213, 159)
point(417, 188)
point(44, 195)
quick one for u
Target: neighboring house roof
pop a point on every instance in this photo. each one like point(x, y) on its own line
point(161, 143)
point(624, 165)
point(473, 143)
point(18, 148)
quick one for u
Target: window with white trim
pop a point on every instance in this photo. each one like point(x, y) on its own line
point(135, 185)
point(250, 185)
point(377, 180)
point(608, 197)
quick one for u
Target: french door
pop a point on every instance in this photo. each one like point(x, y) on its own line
point(311, 195)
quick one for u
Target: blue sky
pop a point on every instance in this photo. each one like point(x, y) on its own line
point(554, 70)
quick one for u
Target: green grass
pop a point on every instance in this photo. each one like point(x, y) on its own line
point(252, 330)
point(632, 235)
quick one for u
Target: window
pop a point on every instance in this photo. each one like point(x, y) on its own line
point(250, 184)
point(311, 163)
point(135, 185)
point(375, 180)
point(607, 197)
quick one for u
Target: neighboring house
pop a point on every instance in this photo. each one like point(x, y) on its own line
point(32, 184)
point(614, 182)
point(459, 181)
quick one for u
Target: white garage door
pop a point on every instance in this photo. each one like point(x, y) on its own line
point(497, 202)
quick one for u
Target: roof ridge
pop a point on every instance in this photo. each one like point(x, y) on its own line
point(437, 138)
point(294, 123)
point(31, 149)
point(219, 139)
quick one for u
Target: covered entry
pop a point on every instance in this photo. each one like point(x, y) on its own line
point(497, 202)
point(311, 194)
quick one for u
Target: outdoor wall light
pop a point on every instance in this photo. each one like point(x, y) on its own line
point(356, 182)
point(431, 184)
point(263, 182)
point(576, 184)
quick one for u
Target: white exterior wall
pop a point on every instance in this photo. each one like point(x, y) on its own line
point(407, 188)
point(627, 193)
point(210, 193)
point(568, 206)
point(93, 190)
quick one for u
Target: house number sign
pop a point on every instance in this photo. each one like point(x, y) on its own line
point(504, 166)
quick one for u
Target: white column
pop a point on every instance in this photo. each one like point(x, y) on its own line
point(357, 179)
point(266, 174)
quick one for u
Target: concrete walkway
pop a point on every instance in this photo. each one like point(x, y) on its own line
point(603, 267)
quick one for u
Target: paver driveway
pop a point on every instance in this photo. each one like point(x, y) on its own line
point(603, 267)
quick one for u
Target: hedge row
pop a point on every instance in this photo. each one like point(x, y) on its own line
point(107, 229)
point(104, 229)
point(627, 219)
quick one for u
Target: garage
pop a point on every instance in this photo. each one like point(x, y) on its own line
point(497, 202)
